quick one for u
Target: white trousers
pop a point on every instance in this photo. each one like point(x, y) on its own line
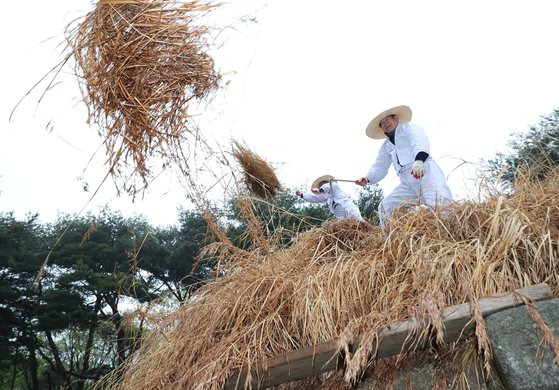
point(346, 209)
point(431, 190)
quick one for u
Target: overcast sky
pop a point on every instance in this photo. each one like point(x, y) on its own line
point(304, 81)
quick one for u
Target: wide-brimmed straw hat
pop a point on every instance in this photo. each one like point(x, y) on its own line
point(315, 184)
point(374, 131)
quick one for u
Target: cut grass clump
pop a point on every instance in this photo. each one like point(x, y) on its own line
point(259, 176)
point(142, 64)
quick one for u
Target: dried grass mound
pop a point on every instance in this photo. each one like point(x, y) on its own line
point(349, 233)
point(141, 65)
point(259, 176)
point(320, 288)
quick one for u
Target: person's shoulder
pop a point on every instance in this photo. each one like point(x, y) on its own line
point(385, 144)
point(412, 126)
point(384, 148)
point(335, 186)
point(327, 188)
point(409, 126)
point(412, 129)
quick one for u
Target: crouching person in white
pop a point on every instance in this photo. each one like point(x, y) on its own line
point(406, 148)
point(326, 189)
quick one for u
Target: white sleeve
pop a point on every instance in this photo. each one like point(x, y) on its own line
point(379, 169)
point(418, 140)
point(309, 197)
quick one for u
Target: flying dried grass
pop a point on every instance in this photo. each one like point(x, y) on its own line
point(259, 175)
point(141, 66)
point(329, 284)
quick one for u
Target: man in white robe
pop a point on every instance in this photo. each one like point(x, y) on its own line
point(406, 148)
point(326, 189)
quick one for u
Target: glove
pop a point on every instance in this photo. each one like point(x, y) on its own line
point(418, 169)
point(299, 193)
point(361, 182)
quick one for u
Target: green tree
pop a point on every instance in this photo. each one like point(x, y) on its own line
point(73, 328)
point(93, 269)
point(172, 254)
point(97, 265)
point(21, 253)
point(368, 200)
point(535, 152)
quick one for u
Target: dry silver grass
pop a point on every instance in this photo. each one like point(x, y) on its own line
point(142, 64)
point(259, 176)
point(328, 284)
point(548, 337)
point(254, 226)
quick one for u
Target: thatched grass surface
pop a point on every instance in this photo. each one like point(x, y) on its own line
point(339, 281)
point(259, 176)
point(142, 64)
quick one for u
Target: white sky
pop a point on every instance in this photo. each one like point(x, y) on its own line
point(309, 76)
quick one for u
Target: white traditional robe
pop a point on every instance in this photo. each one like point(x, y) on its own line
point(430, 190)
point(338, 202)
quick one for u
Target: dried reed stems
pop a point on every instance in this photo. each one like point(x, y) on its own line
point(347, 280)
point(142, 64)
point(259, 176)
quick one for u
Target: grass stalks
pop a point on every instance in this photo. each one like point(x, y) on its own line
point(344, 279)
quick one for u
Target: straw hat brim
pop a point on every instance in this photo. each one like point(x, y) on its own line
point(314, 186)
point(373, 129)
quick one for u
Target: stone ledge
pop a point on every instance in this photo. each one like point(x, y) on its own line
point(522, 361)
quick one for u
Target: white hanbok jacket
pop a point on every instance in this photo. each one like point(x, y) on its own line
point(338, 201)
point(410, 139)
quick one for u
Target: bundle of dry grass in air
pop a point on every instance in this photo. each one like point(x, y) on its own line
point(343, 280)
point(142, 64)
point(259, 176)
